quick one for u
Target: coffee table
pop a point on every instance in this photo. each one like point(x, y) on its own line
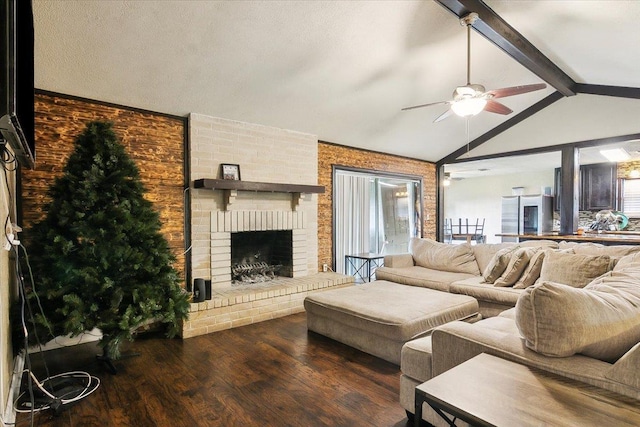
point(489, 391)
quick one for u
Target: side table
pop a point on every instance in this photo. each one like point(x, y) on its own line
point(489, 391)
point(364, 264)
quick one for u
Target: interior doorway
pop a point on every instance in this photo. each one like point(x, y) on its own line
point(374, 213)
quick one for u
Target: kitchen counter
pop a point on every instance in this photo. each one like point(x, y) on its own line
point(608, 238)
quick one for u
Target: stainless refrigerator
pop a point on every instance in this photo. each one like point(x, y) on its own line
point(526, 215)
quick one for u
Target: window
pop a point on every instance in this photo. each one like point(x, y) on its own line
point(374, 212)
point(631, 197)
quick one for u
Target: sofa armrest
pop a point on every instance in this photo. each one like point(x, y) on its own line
point(398, 260)
point(456, 342)
point(625, 370)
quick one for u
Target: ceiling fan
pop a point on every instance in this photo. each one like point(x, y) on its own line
point(471, 99)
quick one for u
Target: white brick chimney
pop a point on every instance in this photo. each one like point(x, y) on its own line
point(264, 154)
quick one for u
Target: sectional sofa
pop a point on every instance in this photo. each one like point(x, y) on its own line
point(572, 309)
point(460, 269)
point(575, 312)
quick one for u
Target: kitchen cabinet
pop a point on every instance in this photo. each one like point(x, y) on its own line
point(596, 187)
point(557, 189)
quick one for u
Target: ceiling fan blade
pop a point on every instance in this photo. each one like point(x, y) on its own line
point(495, 107)
point(514, 90)
point(426, 105)
point(443, 116)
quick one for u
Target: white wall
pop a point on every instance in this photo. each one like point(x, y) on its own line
point(482, 197)
point(7, 286)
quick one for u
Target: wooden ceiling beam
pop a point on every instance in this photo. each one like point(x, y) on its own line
point(496, 30)
point(617, 91)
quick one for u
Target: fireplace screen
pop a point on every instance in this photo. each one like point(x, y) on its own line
point(260, 256)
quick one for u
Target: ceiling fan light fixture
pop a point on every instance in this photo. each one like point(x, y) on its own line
point(468, 106)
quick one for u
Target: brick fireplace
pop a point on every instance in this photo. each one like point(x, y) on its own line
point(225, 226)
point(265, 155)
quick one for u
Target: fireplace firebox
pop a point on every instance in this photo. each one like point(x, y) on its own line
point(260, 256)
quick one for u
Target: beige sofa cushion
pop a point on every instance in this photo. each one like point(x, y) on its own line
point(421, 277)
point(441, 256)
point(475, 287)
point(398, 260)
point(601, 320)
point(517, 264)
point(614, 251)
point(498, 264)
point(572, 245)
point(548, 244)
point(573, 269)
point(532, 272)
point(484, 252)
point(631, 261)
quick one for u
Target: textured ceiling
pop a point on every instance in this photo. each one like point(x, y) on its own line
point(341, 70)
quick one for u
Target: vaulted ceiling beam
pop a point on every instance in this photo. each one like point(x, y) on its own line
point(617, 91)
point(523, 115)
point(496, 30)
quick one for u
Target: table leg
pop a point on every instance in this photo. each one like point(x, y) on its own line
point(417, 417)
point(357, 269)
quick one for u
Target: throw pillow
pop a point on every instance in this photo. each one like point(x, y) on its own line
point(573, 269)
point(600, 321)
point(532, 272)
point(484, 253)
point(628, 261)
point(444, 257)
point(498, 264)
point(517, 264)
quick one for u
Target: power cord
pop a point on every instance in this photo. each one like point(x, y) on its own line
point(57, 391)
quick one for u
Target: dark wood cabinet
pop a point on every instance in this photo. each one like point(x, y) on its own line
point(596, 188)
point(557, 189)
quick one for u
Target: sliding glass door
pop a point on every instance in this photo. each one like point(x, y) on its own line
point(374, 213)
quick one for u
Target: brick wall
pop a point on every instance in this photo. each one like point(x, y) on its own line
point(331, 154)
point(154, 141)
point(264, 154)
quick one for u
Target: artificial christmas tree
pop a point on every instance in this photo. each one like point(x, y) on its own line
point(98, 257)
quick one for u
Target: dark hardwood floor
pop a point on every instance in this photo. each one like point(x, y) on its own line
point(272, 373)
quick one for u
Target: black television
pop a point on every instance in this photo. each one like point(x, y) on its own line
point(17, 117)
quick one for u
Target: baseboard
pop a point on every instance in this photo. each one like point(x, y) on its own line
point(68, 341)
point(9, 416)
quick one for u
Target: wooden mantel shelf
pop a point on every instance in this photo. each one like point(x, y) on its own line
point(231, 188)
point(226, 184)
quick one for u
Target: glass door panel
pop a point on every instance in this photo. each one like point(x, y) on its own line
point(374, 213)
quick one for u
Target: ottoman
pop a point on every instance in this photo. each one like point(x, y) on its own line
point(380, 316)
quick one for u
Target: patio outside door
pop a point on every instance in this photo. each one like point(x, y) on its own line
point(374, 213)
